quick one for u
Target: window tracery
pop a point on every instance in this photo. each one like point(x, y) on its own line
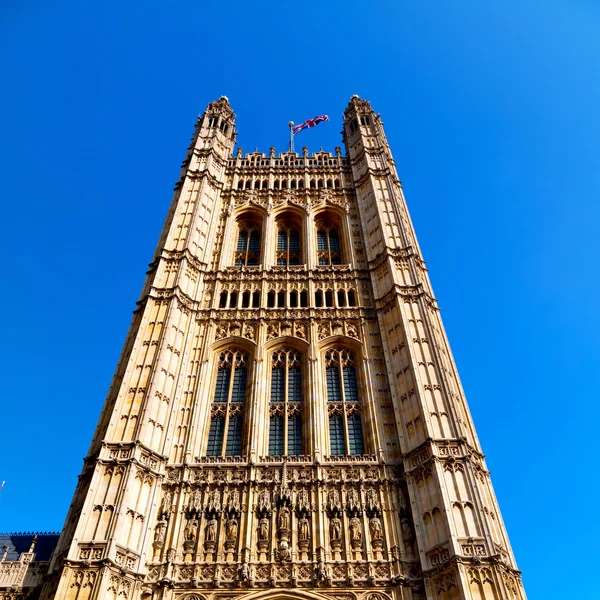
point(285, 405)
point(329, 247)
point(343, 404)
point(247, 252)
point(229, 400)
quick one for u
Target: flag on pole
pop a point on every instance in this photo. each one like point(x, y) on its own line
point(310, 123)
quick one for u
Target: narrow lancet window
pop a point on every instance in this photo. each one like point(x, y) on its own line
point(345, 426)
point(329, 248)
point(228, 407)
point(247, 251)
point(285, 406)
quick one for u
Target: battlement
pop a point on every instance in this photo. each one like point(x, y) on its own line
point(289, 159)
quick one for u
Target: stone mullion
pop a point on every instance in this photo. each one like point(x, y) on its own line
point(257, 399)
point(317, 400)
point(228, 407)
point(343, 399)
point(285, 408)
point(269, 241)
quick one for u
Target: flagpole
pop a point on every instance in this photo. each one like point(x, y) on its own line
point(291, 124)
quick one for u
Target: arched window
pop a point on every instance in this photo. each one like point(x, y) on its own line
point(345, 425)
point(227, 411)
point(329, 248)
point(248, 244)
point(285, 406)
point(288, 240)
point(351, 298)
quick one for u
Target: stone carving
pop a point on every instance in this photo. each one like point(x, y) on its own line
point(334, 506)
point(303, 529)
point(233, 503)
point(160, 532)
point(302, 502)
point(353, 503)
point(211, 535)
point(191, 531)
point(376, 532)
point(335, 530)
point(263, 529)
point(372, 505)
point(283, 520)
point(231, 529)
point(166, 502)
point(264, 503)
point(195, 502)
point(214, 502)
point(355, 533)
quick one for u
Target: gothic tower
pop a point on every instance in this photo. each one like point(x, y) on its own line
point(286, 419)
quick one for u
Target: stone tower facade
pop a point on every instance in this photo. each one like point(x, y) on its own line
point(286, 419)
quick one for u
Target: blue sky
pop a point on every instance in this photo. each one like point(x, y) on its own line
point(491, 109)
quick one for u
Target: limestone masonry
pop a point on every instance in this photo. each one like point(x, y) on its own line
point(286, 419)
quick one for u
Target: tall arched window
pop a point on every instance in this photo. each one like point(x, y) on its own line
point(289, 251)
point(285, 406)
point(329, 248)
point(247, 251)
point(345, 425)
point(227, 411)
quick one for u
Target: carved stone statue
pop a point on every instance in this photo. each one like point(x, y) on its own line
point(375, 528)
point(283, 520)
point(303, 529)
point(211, 530)
point(166, 502)
point(159, 532)
point(355, 530)
point(191, 531)
point(263, 529)
point(231, 529)
point(244, 572)
point(335, 529)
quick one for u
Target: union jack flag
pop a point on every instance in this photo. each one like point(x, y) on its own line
point(310, 123)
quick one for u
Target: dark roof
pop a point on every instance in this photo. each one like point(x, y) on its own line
point(21, 542)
